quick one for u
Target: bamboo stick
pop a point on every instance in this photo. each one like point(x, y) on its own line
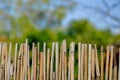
point(85, 62)
point(60, 65)
point(41, 66)
point(89, 62)
point(28, 66)
point(48, 64)
point(22, 63)
point(107, 63)
point(38, 60)
point(44, 63)
point(52, 61)
point(15, 63)
point(32, 73)
point(34, 66)
point(79, 60)
point(82, 63)
point(97, 63)
point(102, 64)
point(57, 60)
point(0, 51)
point(9, 61)
point(115, 65)
point(93, 64)
point(72, 60)
point(63, 59)
point(119, 66)
point(111, 64)
point(19, 63)
point(69, 66)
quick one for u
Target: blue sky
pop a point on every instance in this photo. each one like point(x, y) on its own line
point(80, 12)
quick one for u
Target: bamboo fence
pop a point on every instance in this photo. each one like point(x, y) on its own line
point(58, 62)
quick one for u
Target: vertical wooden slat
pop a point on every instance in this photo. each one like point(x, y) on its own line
point(114, 64)
point(52, 61)
point(60, 63)
point(48, 64)
point(82, 62)
point(57, 60)
point(72, 60)
point(79, 60)
point(85, 62)
point(89, 62)
point(107, 63)
point(15, 63)
point(93, 64)
point(97, 63)
point(111, 64)
point(119, 66)
point(44, 63)
point(102, 64)
point(41, 66)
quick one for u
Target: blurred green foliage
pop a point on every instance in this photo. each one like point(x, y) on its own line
point(78, 31)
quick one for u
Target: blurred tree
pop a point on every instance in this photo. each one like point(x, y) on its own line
point(107, 9)
point(44, 13)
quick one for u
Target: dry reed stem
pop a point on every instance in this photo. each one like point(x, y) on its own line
point(57, 60)
point(119, 66)
point(15, 63)
point(102, 64)
point(107, 63)
point(89, 62)
point(82, 62)
point(72, 60)
point(44, 63)
point(52, 60)
point(85, 62)
point(97, 63)
point(48, 64)
point(60, 63)
point(93, 64)
point(111, 64)
point(79, 60)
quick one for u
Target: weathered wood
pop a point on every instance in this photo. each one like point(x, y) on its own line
point(89, 61)
point(48, 64)
point(107, 63)
point(52, 61)
point(102, 64)
point(79, 60)
point(111, 64)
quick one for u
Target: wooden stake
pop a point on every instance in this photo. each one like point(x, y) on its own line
point(44, 63)
point(79, 60)
point(102, 64)
point(111, 64)
point(15, 63)
point(72, 60)
point(93, 64)
point(85, 62)
point(9, 61)
point(107, 63)
point(119, 66)
point(57, 60)
point(60, 65)
point(82, 63)
point(115, 65)
point(48, 64)
point(52, 61)
point(89, 62)
point(97, 63)
point(41, 66)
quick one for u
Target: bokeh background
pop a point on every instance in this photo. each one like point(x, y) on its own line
point(88, 21)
